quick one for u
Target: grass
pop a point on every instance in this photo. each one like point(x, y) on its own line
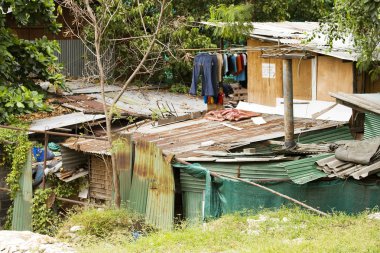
point(285, 230)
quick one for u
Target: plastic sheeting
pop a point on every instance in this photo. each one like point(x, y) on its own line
point(223, 195)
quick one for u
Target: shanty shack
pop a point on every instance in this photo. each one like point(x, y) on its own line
point(317, 69)
point(160, 190)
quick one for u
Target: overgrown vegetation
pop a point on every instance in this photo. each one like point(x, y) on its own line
point(24, 62)
point(15, 145)
point(47, 212)
point(285, 230)
point(114, 226)
point(361, 20)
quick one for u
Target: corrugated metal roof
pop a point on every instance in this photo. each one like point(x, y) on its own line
point(296, 35)
point(184, 138)
point(63, 121)
point(326, 135)
point(369, 102)
point(22, 207)
point(371, 126)
point(304, 170)
point(88, 145)
point(143, 102)
point(342, 169)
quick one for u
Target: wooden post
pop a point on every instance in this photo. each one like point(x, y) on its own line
point(288, 103)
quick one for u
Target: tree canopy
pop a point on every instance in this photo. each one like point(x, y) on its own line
point(23, 62)
point(361, 20)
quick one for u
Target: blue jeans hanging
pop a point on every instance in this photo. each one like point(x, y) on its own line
point(205, 65)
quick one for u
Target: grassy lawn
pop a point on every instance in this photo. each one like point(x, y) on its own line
point(285, 230)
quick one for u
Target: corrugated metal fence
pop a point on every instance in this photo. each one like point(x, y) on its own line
point(72, 57)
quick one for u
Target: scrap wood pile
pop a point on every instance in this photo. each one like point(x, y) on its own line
point(230, 115)
point(357, 159)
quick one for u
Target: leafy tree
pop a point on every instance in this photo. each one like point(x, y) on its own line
point(361, 20)
point(98, 19)
point(23, 62)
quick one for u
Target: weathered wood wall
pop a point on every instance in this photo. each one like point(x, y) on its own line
point(333, 75)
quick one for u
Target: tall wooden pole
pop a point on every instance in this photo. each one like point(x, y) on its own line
point(288, 103)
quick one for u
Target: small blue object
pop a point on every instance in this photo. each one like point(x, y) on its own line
point(38, 154)
point(136, 235)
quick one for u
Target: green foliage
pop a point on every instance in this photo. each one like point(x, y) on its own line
point(19, 100)
point(112, 225)
point(15, 145)
point(47, 219)
point(23, 62)
point(184, 89)
point(361, 19)
point(235, 18)
point(179, 88)
point(284, 230)
point(44, 219)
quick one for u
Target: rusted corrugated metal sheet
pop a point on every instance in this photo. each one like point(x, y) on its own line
point(152, 191)
point(99, 147)
point(22, 209)
point(185, 139)
point(123, 156)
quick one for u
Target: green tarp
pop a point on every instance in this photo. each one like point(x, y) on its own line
point(223, 195)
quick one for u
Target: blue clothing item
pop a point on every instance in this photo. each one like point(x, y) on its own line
point(241, 76)
point(205, 65)
point(234, 66)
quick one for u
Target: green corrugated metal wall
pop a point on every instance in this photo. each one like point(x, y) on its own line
point(22, 208)
point(192, 206)
point(123, 156)
point(371, 126)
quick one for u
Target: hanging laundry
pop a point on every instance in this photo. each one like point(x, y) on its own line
point(234, 66)
point(225, 64)
point(205, 65)
point(239, 64)
point(242, 76)
point(220, 68)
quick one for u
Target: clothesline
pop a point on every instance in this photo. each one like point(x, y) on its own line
point(245, 48)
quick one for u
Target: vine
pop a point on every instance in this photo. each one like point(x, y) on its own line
point(16, 146)
point(46, 217)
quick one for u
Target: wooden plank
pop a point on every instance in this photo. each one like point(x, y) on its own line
point(302, 79)
point(333, 75)
point(263, 90)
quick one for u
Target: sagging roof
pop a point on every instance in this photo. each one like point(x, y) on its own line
point(63, 121)
point(136, 102)
point(188, 139)
point(296, 34)
point(90, 146)
point(369, 102)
